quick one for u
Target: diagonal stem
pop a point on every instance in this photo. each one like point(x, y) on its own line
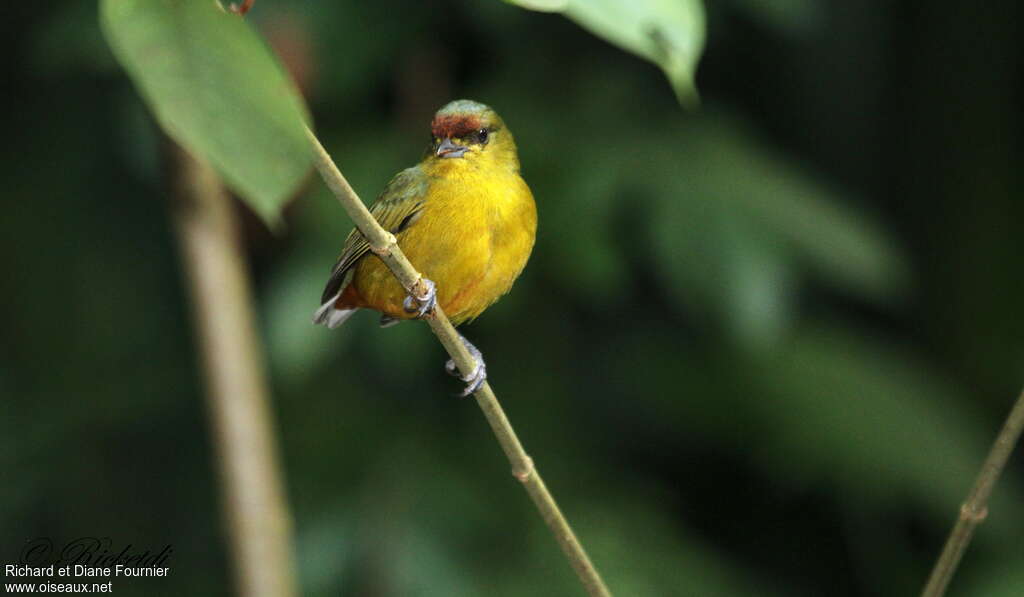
point(383, 244)
point(975, 508)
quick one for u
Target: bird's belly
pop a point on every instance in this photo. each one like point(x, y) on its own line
point(472, 252)
point(454, 255)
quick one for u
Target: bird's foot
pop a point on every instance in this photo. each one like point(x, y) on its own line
point(422, 305)
point(479, 375)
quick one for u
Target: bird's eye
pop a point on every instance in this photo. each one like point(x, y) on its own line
point(482, 135)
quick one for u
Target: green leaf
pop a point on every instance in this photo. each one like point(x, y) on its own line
point(827, 406)
point(669, 33)
point(848, 407)
point(728, 185)
point(217, 90)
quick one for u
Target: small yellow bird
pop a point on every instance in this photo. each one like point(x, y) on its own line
point(463, 216)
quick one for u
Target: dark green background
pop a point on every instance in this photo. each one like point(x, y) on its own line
point(760, 349)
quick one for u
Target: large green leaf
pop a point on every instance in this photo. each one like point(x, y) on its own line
point(735, 210)
point(669, 33)
point(847, 407)
point(217, 90)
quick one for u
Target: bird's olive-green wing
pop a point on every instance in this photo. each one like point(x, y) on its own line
point(399, 206)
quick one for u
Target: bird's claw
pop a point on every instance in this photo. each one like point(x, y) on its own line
point(475, 380)
point(422, 305)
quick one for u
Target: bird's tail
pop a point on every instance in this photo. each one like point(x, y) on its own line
point(329, 316)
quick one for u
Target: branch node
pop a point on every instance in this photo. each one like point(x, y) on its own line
point(974, 510)
point(418, 289)
point(971, 515)
point(526, 472)
point(390, 242)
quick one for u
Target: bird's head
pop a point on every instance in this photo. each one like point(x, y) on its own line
point(465, 132)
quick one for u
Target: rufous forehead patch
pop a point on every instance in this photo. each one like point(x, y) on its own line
point(454, 126)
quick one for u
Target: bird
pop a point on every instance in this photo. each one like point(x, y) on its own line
point(465, 219)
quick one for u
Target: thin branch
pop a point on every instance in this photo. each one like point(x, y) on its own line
point(258, 523)
point(975, 508)
point(383, 244)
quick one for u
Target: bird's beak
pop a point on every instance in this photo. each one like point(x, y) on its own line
point(447, 149)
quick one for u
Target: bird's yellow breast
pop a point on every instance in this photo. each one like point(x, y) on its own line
point(473, 238)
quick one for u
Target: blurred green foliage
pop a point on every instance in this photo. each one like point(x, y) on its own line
point(760, 348)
